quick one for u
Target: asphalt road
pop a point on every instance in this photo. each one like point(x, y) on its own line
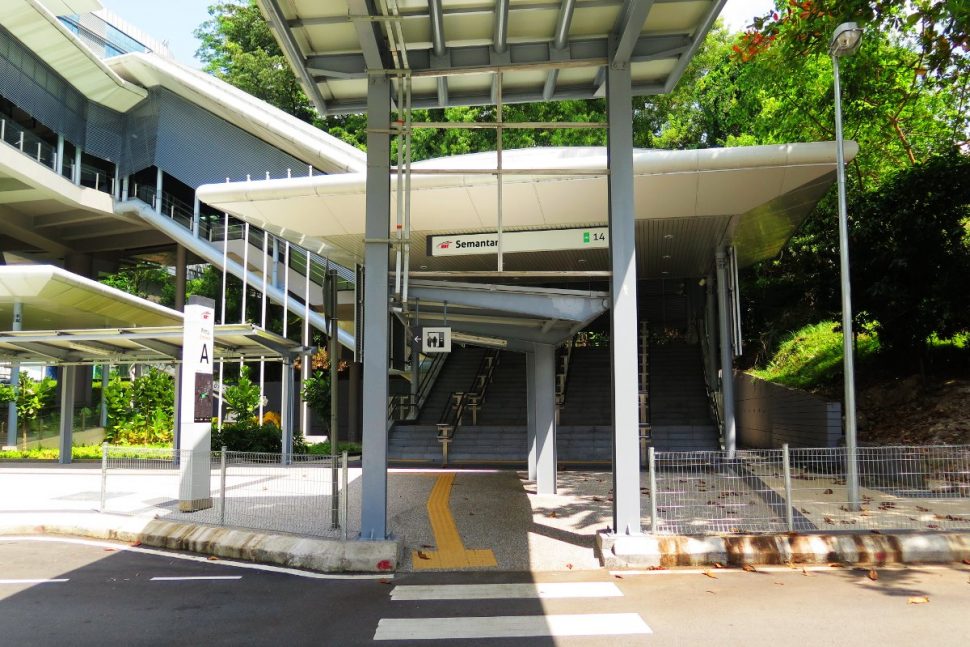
point(55, 591)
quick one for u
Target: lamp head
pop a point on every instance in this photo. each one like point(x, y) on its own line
point(846, 39)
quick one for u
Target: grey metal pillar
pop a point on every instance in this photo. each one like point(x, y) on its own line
point(353, 402)
point(287, 409)
point(181, 261)
point(158, 190)
point(68, 378)
point(623, 296)
point(16, 324)
point(530, 404)
point(60, 155)
point(124, 188)
point(373, 512)
point(197, 217)
point(105, 379)
point(76, 175)
point(545, 399)
point(727, 355)
point(710, 327)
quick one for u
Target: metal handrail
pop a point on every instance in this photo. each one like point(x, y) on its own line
point(453, 414)
point(714, 397)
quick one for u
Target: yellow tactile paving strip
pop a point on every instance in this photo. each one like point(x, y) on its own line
point(451, 551)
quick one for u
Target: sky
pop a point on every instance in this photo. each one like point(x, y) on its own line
point(175, 20)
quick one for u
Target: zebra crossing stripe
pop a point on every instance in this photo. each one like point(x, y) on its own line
point(588, 624)
point(533, 590)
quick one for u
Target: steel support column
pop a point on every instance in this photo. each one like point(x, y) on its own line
point(353, 402)
point(287, 408)
point(530, 405)
point(16, 324)
point(159, 187)
point(373, 513)
point(544, 390)
point(76, 171)
point(727, 355)
point(623, 297)
point(68, 379)
point(181, 263)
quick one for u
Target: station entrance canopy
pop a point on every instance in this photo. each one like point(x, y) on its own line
point(68, 319)
point(546, 50)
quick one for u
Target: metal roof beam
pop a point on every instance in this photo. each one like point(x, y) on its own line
point(291, 49)
point(484, 98)
point(38, 349)
point(476, 59)
point(627, 29)
point(541, 304)
point(500, 33)
point(369, 35)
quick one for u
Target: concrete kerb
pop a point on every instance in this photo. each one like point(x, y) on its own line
point(293, 551)
point(649, 551)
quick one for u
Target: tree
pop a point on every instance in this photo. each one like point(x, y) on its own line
point(238, 47)
point(31, 397)
point(911, 245)
point(242, 398)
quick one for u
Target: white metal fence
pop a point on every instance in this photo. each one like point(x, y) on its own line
point(302, 494)
point(804, 490)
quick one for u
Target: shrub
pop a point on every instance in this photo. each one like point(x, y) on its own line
point(242, 398)
point(248, 436)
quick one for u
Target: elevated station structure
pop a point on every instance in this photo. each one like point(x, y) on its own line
point(666, 214)
point(136, 156)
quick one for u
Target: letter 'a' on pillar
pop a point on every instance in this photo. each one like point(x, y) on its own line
point(373, 506)
point(195, 404)
point(623, 296)
point(545, 398)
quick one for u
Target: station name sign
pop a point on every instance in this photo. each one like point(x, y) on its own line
point(547, 240)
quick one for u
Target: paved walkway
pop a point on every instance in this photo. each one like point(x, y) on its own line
point(440, 520)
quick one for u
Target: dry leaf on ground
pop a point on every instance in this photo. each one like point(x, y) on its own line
point(710, 575)
point(873, 575)
point(919, 599)
point(749, 568)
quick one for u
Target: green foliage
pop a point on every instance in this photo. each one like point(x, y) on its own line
point(912, 257)
point(142, 411)
point(242, 398)
point(238, 47)
point(145, 280)
point(812, 356)
point(316, 393)
point(248, 436)
point(31, 397)
point(323, 449)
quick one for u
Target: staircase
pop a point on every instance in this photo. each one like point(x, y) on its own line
point(456, 375)
point(587, 389)
point(679, 411)
point(505, 403)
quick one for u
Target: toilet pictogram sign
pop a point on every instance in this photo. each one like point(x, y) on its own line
point(435, 340)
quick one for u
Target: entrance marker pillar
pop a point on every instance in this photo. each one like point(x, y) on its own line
point(195, 405)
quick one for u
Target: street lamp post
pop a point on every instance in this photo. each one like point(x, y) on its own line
point(845, 41)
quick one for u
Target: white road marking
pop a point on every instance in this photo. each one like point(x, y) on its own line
point(34, 581)
point(197, 577)
point(196, 558)
point(593, 624)
point(507, 591)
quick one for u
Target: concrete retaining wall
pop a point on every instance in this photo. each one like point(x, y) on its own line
point(769, 415)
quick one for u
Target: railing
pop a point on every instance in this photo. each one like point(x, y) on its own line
point(562, 375)
point(292, 493)
point(28, 143)
point(453, 414)
point(714, 398)
point(643, 392)
point(804, 490)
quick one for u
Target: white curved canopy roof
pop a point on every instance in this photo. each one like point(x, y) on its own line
point(37, 27)
point(755, 196)
point(272, 125)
